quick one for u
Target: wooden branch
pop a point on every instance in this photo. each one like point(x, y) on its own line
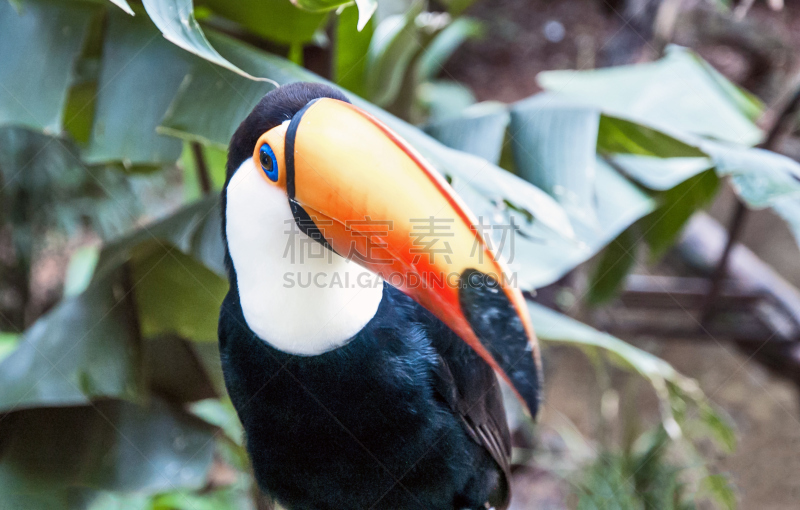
point(700, 247)
point(668, 292)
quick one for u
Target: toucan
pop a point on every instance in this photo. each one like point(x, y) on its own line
point(367, 318)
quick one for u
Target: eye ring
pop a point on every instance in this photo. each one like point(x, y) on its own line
point(268, 162)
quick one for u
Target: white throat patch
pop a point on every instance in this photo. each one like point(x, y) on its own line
point(296, 295)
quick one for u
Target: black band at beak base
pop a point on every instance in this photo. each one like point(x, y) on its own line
point(304, 222)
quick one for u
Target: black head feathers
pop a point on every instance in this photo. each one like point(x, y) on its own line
point(277, 106)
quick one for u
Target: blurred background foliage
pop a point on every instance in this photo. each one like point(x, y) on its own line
point(114, 119)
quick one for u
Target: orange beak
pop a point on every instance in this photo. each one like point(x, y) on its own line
point(377, 201)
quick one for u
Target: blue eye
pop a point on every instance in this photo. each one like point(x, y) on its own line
point(268, 162)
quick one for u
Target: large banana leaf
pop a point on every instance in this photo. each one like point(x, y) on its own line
point(697, 119)
point(123, 4)
point(44, 39)
point(366, 8)
point(351, 46)
point(442, 47)
point(176, 294)
point(140, 74)
point(479, 130)
point(60, 458)
point(679, 92)
point(87, 347)
point(8, 342)
point(395, 42)
point(203, 111)
point(276, 20)
point(83, 349)
point(677, 205)
point(123, 337)
point(175, 19)
point(660, 174)
point(45, 185)
point(209, 108)
point(555, 144)
point(758, 176)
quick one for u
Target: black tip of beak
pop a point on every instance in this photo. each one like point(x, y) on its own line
point(498, 326)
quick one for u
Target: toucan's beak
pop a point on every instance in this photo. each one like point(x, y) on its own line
point(377, 201)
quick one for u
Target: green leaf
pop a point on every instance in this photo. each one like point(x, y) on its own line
point(366, 8)
point(66, 357)
point(173, 370)
point(176, 294)
point(208, 356)
point(320, 5)
point(276, 20)
point(758, 176)
point(38, 49)
point(46, 186)
point(479, 130)
point(110, 445)
point(614, 265)
point(444, 44)
point(175, 19)
point(678, 204)
point(195, 230)
point(123, 4)
point(660, 173)
point(608, 486)
point(86, 348)
point(719, 427)
point(676, 93)
point(204, 111)
point(220, 413)
point(79, 112)
point(543, 251)
point(456, 7)
point(789, 210)
point(618, 135)
point(211, 104)
point(444, 99)
point(236, 497)
point(554, 145)
point(748, 103)
point(388, 8)
point(119, 501)
point(350, 51)
point(140, 75)
point(721, 490)
point(551, 326)
point(8, 342)
point(395, 42)
point(215, 161)
point(80, 270)
point(538, 257)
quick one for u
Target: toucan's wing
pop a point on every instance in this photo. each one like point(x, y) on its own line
point(470, 387)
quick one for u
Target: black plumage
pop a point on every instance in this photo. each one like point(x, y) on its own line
point(406, 415)
point(367, 425)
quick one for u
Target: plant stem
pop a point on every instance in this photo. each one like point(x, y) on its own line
point(201, 167)
point(734, 230)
